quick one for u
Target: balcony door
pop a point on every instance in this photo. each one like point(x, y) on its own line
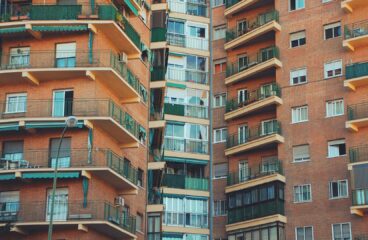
point(19, 57)
point(242, 134)
point(268, 127)
point(64, 154)
point(242, 27)
point(242, 96)
point(61, 205)
point(266, 91)
point(243, 171)
point(62, 105)
point(65, 55)
point(269, 165)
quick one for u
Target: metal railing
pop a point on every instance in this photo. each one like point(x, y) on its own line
point(186, 145)
point(252, 60)
point(181, 40)
point(356, 29)
point(76, 107)
point(229, 3)
point(254, 96)
point(186, 110)
point(356, 70)
point(254, 133)
point(259, 210)
point(359, 197)
point(77, 59)
point(252, 24)
point(71, 211)
point(190, 7)
point(357, 111)
point(83, 11)
point(69, 158)
point(184, 182)
point(263, 170)
point(187, 75)
point(358, 154)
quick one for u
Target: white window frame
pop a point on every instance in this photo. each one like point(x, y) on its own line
point(217, 5)
point(221, 130)
point(331, 25)
point(296, 114)
point(18, 103)
point(219, 208)
point(214, 173)
point(338, 189)
point(328, 67)
point(296, 8)
point(217, 35)
point(222, 97)
point(298, 73)
point(296, 36)
point(332, 229)
point(304, 227)
point(332, 143)
point(334, 108)
point(221, 62)
point(301, 186)
point(304, 158)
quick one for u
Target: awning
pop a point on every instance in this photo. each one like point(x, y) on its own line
point(185, 160)
point(174, 236)
point(9, 127)
point(8, 176)
point(131, 6)
point(38, 175)
point(176, 85)
point(12, 30)
point(29, 125)
point(74, 28)
point(177, 54)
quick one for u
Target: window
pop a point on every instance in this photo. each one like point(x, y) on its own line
point(220, 170)
point(220, 135)
point(299, 114)
point(140, 177)
point(326, 1)
point(242, 95)
point(216, 3)
point(219, 32)
point(219, 100)
point(9, 205)
point(269, 127)
point(219, 208)
point(338, 189)
point(302, 193)
point(16, 103)
point(175, 27)
point(19, 56)
point(333, 69)
point(220, 66)
point(304, 233)
point(332, 30)
point(301, 153)
point(336, 148)
point(242, 62)
point(335, 108)
point(296, 4)
point(196, 31)
point(62, 103)
point(154, 227)
point(139, 220)
point(244, 171)
point(341, 231)
point(298, 76)
point(297, 39)
point(242, 26)
point(65, 55)
point(242, 134)
point(13, 151)
point(64, 155)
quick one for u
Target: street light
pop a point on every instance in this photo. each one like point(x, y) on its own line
point(70, 122)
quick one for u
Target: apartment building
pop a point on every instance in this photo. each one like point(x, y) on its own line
point(178, 197)
point(91, 60)
point(290, 82)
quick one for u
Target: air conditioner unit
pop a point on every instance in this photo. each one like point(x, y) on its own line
point(119, 201)
point(123, 57)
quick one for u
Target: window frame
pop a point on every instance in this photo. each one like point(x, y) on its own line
point(341, 224)
point(293, 109)
point(221, 134)
point(222, 210)
point(333, 26)
point(298, 39)
point(301, 186)
point(325, 69)
point(330, 143)
point(214, 171)
point(17, 95)
point(304, 227)
point(222, 97)
point(219, 28)
point(296, 9)
point(304, 160)
point(334, 108)
point(338, 189)
point(298, 70)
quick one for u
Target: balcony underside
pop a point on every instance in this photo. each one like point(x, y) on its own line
point(255, 182)
point(252, 35)
point(254, 107)
point(350, 5)
point(176, 118)
point(156, 165)
point(252, 71)
point(157, 124)
point(105, 227)
point(159, 6)
point(189, 51)
point(360, 211)
point(189, 17)
point(242, 5)
point(353, 43)
point(107, 76)
point(108, 124)
point(177, 154)
point(185, 192)
point(354, 125)
point(107, 27)
point(255, 222)
point(158, 84)
point(255, 144)
point(151, 208)
point(187, 230)
point(354, 83)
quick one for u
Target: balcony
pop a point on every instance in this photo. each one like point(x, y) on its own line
point(185, 110)
point(351, 5)
point(103, 163)
point(158, 34)
point(185, 145)
point(155, 201)
point(187, 75)
point(359, 202)
point(37, 19)
point(98, 215)
point(102, 113)
point(188, 44)
point(36, 67)
point(356, 35)
point(254, 177)
point(263, 62)
point(184, 182)
point(258, 137)
point(356, 75)
point(235, 6)
point(358, 155)
point(258, 27)
point(357, 116)
point(259, 100)
point(189, 7)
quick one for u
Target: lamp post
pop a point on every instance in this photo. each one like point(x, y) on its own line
point(70, 122)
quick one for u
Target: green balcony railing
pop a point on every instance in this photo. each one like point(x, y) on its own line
point(184, 182)
point(357, 111)
point(75, 107)
point(356, 29)
point(186, 145)
point(360, 197)
point(158, 34)
point(252, 60)
point(86, 158)
point(250, 134)
point(252, 24)
point(356, 70)
point(186, 110)
point(253, 96)
point(264, 169)
point(187, 75)
point(65, 211)
point(358, 154)
point(259, 210)
point(158, 74)
point(229, 3)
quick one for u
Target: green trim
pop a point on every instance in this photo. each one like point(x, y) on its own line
point(50, 124)
point(74, 28)
point(176, 85)
point(38, 175)
point(185, 160)
point(12, 30)
point(177, 54)
point(9, 176)
point(131, 6)
point(9, 127)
